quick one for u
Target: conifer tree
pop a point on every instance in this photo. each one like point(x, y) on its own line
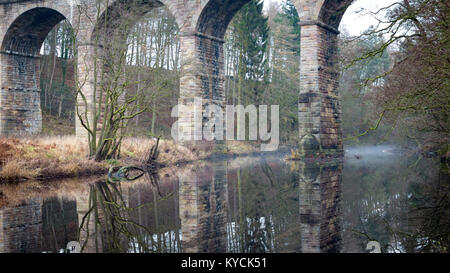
point(250, 33)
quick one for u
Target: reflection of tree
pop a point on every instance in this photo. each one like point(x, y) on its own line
point(430, 208)
point(405, 209)
point(253, 232)
point(263, 214)
point(59, 224)
point(112, 224)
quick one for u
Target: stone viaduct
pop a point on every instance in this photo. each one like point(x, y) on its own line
point(25, 24)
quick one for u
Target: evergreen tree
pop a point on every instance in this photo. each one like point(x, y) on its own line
point(284, 49)
point(250, 33)
point(262, 66)
point(289, 12)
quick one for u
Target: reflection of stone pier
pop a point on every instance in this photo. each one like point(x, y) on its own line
point(203, 203)
point(320, 210)
point(37, 226)
point(60, 223)
point(21, 227)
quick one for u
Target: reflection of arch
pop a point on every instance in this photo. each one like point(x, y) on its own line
point(19, 70)
point(21, 227)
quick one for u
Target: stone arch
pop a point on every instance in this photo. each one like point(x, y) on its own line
point(210, 30)
point(216, 15)
point(11, 10)
point(116, 11)
point(108, 33)
point(327, 12)
point(20, 112)
point(332, 11)
point(205, 77)
point(27, 33)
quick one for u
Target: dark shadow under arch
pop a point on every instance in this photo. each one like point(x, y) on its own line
point(216, 16)
point(27, 33)
point(332, 12)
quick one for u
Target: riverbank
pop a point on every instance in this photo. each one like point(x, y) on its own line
point(52, 157)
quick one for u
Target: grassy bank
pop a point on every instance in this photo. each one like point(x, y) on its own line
point(50, 157)
point(45, 157)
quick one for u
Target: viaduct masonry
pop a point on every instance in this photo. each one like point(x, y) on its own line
point(25, 24)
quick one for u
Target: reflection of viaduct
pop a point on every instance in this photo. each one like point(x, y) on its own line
point(320, 209)
point(204, 203)
point(38, 226)
point(202, 23)
point(198, 212)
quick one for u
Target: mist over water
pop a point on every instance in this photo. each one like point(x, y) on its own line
point(378, 154)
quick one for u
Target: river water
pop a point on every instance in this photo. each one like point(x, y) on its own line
point(244, 205)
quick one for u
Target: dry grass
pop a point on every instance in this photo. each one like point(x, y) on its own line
point(14, 170)
point(45, 157)
point(169, 151)
point(42, 159)
point(67, 156)
point(241, 147)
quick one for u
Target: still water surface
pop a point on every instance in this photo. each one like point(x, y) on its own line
point(250, 204)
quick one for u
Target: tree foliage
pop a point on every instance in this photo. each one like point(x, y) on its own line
point(272, 40)
point(414, 96)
